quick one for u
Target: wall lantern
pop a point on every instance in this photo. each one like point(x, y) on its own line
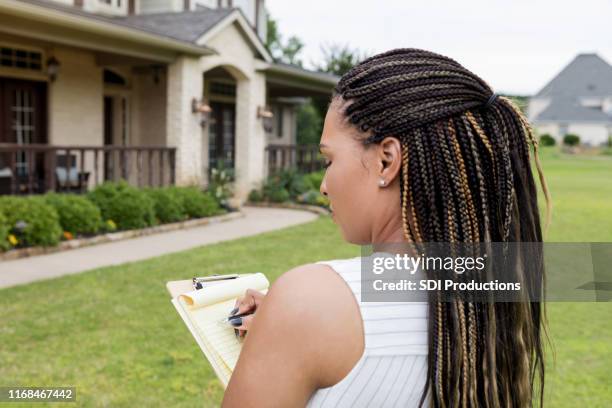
point(53, 68)
point(203, 109)
point(266, 116)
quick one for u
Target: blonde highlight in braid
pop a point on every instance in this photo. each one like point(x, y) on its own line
point(464, 178)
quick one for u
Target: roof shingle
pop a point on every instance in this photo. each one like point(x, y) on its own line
point(586, 76)
point(186, 26)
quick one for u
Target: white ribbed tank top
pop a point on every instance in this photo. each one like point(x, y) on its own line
point(393, 368)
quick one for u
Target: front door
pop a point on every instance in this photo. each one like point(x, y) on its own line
point(222, 135)
point(23, 120)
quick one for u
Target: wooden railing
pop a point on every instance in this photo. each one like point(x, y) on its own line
point(38, 168)
point(304, 158)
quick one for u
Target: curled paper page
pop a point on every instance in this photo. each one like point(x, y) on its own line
point(224, 291)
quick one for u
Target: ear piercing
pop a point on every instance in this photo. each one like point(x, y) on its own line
point(381, 182)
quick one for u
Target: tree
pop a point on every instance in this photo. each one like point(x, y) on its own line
point(339, 59)
point(287, 52)
point(309, 124)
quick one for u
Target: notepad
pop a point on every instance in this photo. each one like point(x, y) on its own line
point(201, 311)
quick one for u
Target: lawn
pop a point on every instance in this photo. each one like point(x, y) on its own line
point(113, 333)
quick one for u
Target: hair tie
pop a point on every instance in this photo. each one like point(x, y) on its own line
point(491, 100)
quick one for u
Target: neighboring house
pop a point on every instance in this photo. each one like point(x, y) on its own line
point(578, 100)
point(155, 91)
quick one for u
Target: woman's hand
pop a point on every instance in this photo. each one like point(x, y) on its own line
point(246, 304)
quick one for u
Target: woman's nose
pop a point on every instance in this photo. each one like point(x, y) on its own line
point(322, 188)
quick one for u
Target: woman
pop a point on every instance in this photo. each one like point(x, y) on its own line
point(418, 149)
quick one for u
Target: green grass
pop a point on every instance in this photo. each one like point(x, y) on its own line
point(580, 333)
point(113, 333)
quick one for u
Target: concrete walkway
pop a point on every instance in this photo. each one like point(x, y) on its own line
point(255, 221)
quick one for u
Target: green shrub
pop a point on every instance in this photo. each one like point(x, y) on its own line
point(127, 206)
point(571, 139)
point(313, 180)
point(31, 220)
point(167, 204)
point(195, 203)
point(293, 182)
point(4, 232)
point(313, 197)
point(547, 140)
point(286, 181)
point(255, 196)
point(279, 196)
point(77, 214)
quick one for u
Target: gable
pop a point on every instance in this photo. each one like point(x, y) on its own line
point(235, 32)
point(587, 75)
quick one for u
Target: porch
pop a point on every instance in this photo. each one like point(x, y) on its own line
point(104, 101)
point(40, 168)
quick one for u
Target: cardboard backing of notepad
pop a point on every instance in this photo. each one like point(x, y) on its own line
point(202, 310)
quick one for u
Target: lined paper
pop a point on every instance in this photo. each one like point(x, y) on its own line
point(202, 311)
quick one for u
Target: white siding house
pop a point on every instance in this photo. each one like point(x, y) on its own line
point(578, 100)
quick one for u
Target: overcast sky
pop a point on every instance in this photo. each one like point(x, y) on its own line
point(517, 46)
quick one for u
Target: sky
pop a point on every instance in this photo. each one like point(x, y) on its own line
point(516, 46)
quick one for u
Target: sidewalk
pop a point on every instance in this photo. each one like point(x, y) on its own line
point(255, 221)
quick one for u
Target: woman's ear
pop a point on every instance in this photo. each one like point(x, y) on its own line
point(389, 159)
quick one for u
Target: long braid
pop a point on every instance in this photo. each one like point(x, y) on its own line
point(462, 181)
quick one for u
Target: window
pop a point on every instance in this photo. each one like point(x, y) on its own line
point(223, 88)
point(20, 58)
point(111, 3)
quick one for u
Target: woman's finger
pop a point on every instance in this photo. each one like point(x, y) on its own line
point(242, 324)
point(249, 301)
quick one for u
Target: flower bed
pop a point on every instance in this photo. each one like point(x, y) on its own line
point(49, 219)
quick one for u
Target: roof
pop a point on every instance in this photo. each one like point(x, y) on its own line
point(180, 28)
point(186, 26)
point(284, 68)
point(585, 75)
point(100, 23)
point(566, 109)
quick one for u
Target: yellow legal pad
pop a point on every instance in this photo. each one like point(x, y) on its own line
point(202, 309)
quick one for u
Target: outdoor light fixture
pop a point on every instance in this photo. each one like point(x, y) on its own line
point(266, 116)
point(53, 67)
point(202, 108)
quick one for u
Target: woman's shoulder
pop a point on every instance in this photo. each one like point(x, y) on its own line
point(319, 280)
point(315, 298)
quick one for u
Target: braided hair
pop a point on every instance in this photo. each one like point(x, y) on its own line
point(467, 152)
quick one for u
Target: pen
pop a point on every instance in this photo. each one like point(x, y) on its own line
point(229, 318)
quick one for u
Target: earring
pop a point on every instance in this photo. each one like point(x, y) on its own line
point(381, 182)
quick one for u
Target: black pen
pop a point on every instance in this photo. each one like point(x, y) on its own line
point(229, 318)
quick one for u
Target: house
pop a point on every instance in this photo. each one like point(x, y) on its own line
point(154, 91)
point(578, 100)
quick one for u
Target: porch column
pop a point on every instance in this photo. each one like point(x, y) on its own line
point(183, 131)
point(250, 135)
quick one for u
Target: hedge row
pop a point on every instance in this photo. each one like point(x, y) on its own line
point(290, 185)
point(46, 219)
